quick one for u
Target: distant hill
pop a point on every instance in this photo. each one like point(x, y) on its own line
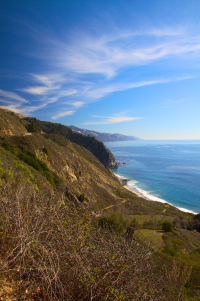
point(103, 137)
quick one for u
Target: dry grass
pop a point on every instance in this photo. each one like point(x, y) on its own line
point(57, 253)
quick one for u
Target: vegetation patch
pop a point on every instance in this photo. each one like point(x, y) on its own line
point(31, 159)
point(45, 150)
point(167, 226)
point(83, 198)
point(32, 127)
point(110, 224)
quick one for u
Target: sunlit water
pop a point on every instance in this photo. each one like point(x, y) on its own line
point(164, 171)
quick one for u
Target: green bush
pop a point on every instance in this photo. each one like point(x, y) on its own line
point(45, 150)
point(169, 250)
point(83, 198)
point(167, 226)
point(7, 146)
point(135, 224)
point(109, 223)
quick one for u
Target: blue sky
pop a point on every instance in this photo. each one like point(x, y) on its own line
point(129, 67)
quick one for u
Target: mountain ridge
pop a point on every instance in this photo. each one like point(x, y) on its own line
point(104, 137)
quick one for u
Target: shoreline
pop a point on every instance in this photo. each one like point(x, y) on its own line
point(149, 199)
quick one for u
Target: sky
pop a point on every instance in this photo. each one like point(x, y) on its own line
point(129, 67)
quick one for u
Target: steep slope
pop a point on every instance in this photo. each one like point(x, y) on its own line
point(81, 172)
point(97, 148)
point(10, 124)
point(103, 137)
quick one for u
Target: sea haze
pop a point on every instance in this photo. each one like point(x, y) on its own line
point(165, 171)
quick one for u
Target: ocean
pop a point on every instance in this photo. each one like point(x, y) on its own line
point(164, 171)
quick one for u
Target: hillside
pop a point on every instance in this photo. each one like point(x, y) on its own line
point(63, 223)
point(97, 148)
point(10, 123)
point(103, 137)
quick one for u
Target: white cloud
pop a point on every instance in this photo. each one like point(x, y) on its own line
point(107, 54)
point(116, 119)
point(77, 104)
point(97, 93)
point(39, 90)
point(12, 95)
point(63, 114)
point(24, 109)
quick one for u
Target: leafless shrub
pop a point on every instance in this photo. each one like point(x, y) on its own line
point(62, 254)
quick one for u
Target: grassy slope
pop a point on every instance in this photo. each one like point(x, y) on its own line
point(10, 124)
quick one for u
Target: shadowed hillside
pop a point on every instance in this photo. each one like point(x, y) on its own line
point(97, 148)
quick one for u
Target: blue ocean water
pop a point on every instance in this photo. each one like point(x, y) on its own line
point(165, 171)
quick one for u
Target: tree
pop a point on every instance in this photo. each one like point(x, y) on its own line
point(167, 226)
point(32, 127)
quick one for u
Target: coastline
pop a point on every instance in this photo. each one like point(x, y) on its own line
point(153, 199)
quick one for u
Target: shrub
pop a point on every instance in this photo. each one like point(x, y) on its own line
point(45, 150)
point(135, 224)
point(111, 224)
point(59, 254)
point(167, 226)
point(7, 146)
point(83, 198)
point(170, 250)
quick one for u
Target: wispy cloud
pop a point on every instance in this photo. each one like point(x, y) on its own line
point(107, 54)
point(85, 67)
point(12, 95)
point(39, 90)
point(63, 114)
point(113, 119)
point(26, 110)
point(96, 93)
point(77, 104)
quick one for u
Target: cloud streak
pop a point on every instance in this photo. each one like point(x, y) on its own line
point(106, 55)
point(63, 114)
point(115, 119)
point(12, 95)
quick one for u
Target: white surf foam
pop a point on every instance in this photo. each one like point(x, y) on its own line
point(131, 184)
point(147, 194)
